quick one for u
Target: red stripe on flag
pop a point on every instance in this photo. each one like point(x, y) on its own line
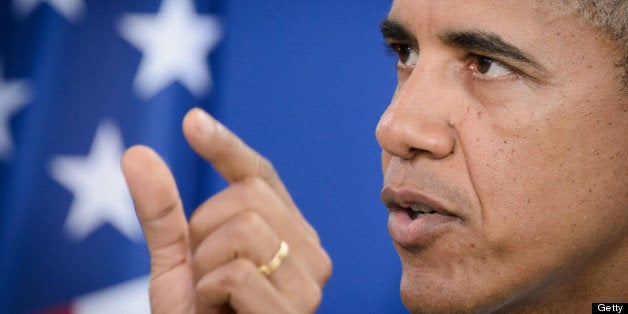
point(59, 309)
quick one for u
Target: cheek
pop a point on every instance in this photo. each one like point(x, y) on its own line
point(510, 185)
point(552, 187)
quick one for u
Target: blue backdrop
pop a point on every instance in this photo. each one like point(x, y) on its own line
point(302, 82)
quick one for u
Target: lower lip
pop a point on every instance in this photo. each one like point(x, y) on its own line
point(417, 232)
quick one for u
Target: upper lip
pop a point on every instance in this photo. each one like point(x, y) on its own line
point(402, 198)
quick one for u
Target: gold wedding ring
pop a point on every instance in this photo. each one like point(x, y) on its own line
point(274, 263)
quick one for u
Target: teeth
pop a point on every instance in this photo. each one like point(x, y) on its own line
point(421, 208)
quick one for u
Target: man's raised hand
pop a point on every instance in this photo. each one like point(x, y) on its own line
point(211, 263)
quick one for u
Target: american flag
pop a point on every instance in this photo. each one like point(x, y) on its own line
point(303, 82)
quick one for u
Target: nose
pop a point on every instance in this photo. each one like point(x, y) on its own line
point(416, 121)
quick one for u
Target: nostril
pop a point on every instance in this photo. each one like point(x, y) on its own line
point(405, 143)
point(432, 154)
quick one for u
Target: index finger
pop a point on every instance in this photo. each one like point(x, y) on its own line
point(227, 153)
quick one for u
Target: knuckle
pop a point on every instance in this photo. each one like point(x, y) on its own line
point(311, 232)
point(254, 186)
point(328, 270)
point(326, 267)
point(247, 226)
point(252, 192)
point(240, 274)
point(196, 227)
point(265, 167)
point(321, 266)
point(316, 299)
point(311, 300)
point(218, 288)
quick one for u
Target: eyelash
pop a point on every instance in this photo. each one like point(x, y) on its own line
point(475, 59)
point(391, 49)
point(394, 50)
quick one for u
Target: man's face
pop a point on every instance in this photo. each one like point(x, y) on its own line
point(505, 153)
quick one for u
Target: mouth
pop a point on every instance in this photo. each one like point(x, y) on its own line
point(415, 220)
point(417, 210)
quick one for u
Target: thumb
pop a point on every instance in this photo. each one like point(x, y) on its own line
point(158, 208)
point(160, 212)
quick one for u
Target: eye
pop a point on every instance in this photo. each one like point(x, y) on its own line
point(407, 55)
point(489, 68)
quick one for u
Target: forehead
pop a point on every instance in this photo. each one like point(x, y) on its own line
point(551, 32)
point(502, 16)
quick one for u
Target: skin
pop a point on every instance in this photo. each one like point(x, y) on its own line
point(209, 264)
point(523, 155)
point(531, 160)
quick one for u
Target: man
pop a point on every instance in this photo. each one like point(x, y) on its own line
point(505, 163)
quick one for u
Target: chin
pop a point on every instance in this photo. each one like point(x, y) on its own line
point(416, 302)
point(421, 294)
point(434, 293)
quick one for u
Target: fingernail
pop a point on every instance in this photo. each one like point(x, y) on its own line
point(205, 122)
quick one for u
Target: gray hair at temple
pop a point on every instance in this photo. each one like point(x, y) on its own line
point(611, 18)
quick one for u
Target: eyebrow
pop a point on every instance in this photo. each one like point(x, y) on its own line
point(489, 44)
point(394, 31)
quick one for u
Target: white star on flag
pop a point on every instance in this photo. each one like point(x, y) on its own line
point(13, 96)
point(100, 191)
point(174, 43)
point(72, 10)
